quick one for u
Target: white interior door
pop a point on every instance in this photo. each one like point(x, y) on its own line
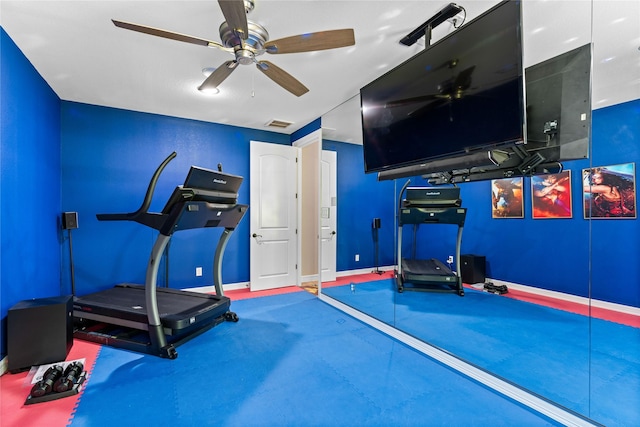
point(273, 214)
point(328, 214)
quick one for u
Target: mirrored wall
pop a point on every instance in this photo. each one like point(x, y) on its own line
point(567, 329)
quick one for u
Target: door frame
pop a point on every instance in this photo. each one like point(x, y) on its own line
point(314, 137)
point(330, 181)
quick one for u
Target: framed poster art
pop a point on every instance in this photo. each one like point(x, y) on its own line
point(609, 191)
point(506, 198)
point(551, 195)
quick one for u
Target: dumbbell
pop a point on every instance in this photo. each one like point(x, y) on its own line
point(69, 378)
point(45, 385)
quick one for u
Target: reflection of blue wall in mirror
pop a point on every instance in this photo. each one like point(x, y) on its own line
point(552, 254)
point(360, 199)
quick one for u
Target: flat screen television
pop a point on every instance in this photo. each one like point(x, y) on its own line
point(460, 95)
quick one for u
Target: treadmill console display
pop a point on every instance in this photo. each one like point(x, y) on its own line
point(433, 196)
point(207, 179)
point(452, 215)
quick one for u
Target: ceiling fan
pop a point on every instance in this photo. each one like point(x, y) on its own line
point(454, 87)
point(248, 40)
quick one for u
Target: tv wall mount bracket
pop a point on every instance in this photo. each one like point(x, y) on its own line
point(447, 12)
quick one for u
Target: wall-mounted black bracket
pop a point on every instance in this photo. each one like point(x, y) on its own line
point(447, 12)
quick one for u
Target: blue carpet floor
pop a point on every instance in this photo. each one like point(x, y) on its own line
point(591, 366)
point(291, 360)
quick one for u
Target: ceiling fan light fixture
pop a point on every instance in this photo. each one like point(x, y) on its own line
point(209, 90)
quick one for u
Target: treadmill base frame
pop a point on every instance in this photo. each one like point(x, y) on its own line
point(138, 340)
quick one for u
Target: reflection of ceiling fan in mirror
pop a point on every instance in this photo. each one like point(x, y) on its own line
point(247, 40)
point(448, 90)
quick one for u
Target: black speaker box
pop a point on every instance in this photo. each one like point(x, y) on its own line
point(39, 331)
point(69, 220)
point(473, 268)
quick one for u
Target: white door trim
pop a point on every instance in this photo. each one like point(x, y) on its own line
point(311, 138)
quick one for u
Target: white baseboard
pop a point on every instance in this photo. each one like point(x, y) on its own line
point(4, 366)
point(212, 289)
point(363, 271)
point(309, 278)
point(620, 308)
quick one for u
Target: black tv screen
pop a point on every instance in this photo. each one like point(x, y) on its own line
point(461, 94)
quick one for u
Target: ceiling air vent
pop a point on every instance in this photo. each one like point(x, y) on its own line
point(278, 124)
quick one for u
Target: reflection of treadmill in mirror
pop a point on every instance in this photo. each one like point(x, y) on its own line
point(429, 205)
point(155, 320)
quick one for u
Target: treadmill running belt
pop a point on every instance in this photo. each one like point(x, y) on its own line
point(178, 309)
point(431, 267)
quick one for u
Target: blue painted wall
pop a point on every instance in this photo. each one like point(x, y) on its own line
point(616, 243)
point(306, 130)
point(29, 184)
point(108, 158)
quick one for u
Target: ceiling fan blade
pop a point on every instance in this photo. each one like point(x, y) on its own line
point(313, 41)
point(281, 77)
point(168, 34)
point(218, 76)
point(410, 101)
point(430, 107)
point(463, 80)
point(236, 16)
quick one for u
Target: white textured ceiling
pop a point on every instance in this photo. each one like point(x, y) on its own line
point(85, 58)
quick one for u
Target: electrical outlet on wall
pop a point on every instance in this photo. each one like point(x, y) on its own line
point(198, 271)
point(357, 257)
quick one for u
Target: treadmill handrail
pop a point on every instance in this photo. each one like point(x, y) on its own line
point(139, 215)
point(404, 187)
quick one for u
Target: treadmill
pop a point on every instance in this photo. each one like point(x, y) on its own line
point(154, 320)
point(429, 205)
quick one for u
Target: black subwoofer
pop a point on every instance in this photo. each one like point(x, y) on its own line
point(473, 268)
point(39, 331)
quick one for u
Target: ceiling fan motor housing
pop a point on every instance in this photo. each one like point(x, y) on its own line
point(245, 49)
